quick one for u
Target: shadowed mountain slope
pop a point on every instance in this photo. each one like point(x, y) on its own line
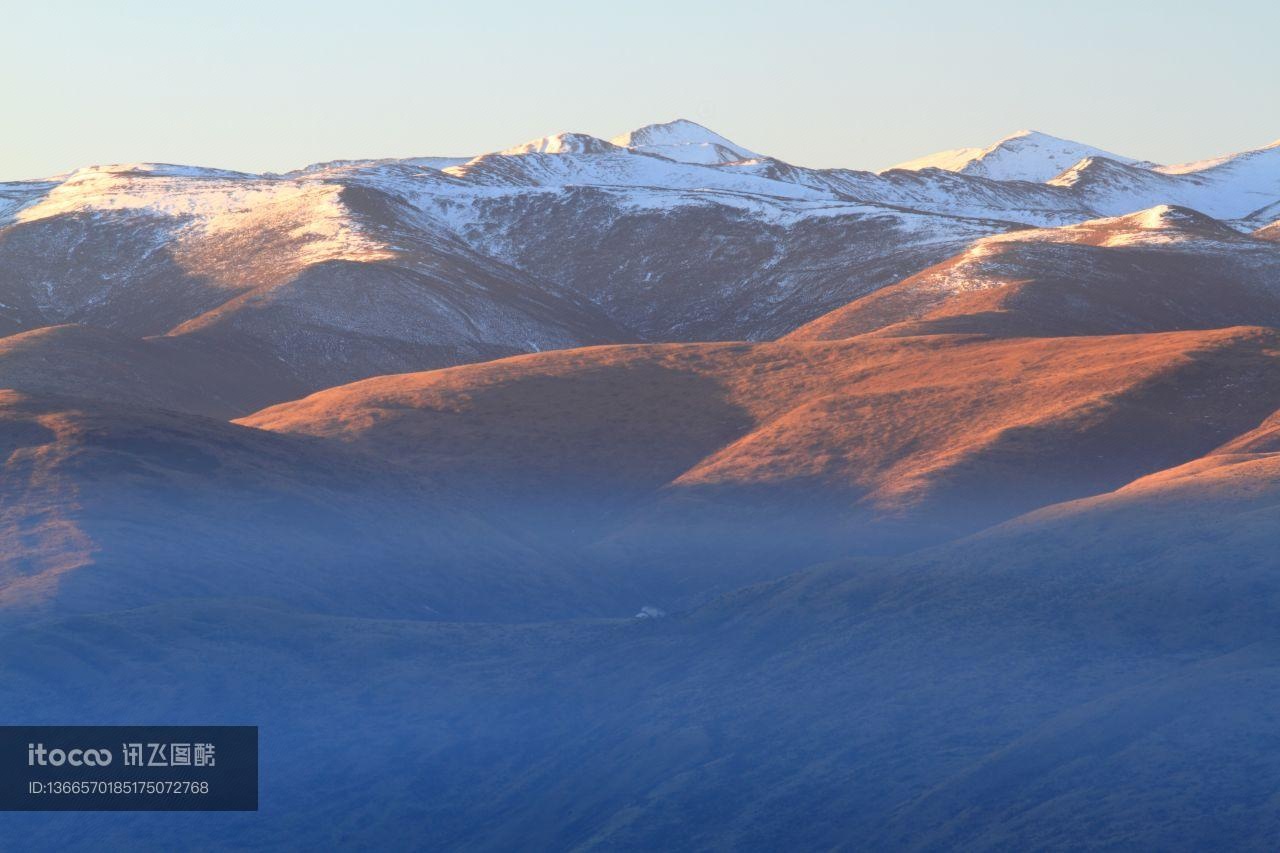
point(734, 457)
point(107, 505)
point(691, 264)
point(176, 373)
point(979, 694)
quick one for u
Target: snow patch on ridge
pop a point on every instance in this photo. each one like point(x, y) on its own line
point(1162, 225)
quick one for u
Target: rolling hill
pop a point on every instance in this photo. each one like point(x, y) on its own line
point(978, 694)
point(1162, 269)
point(113, 506)
point(723, 463)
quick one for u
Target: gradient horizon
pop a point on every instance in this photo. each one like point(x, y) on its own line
point(271, 88)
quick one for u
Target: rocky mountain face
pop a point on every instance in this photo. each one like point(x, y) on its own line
point(947, 493)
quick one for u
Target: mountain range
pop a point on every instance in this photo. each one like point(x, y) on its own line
point(655, 493)
point(668, 233)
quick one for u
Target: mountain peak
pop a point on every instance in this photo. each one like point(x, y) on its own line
point(563, 143)
point(685, 141)
point(1026, 155)
point(1171, 216)
point(679, 131)
point(1029, 132)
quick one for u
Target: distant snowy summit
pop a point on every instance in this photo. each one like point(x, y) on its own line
point(1027, 155)
point(686, 142)
point(563, 143)
point(1028, 178)
point(681, 140)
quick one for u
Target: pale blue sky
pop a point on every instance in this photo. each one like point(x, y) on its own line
point(274, 85)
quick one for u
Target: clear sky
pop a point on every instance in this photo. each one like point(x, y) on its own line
point(275, 85)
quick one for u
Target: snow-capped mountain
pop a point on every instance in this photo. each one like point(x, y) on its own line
point(1027, 155)
point(562, 143)
point(684, 141)
point(669, 232)
point(333, 280)
point(1238, 186)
